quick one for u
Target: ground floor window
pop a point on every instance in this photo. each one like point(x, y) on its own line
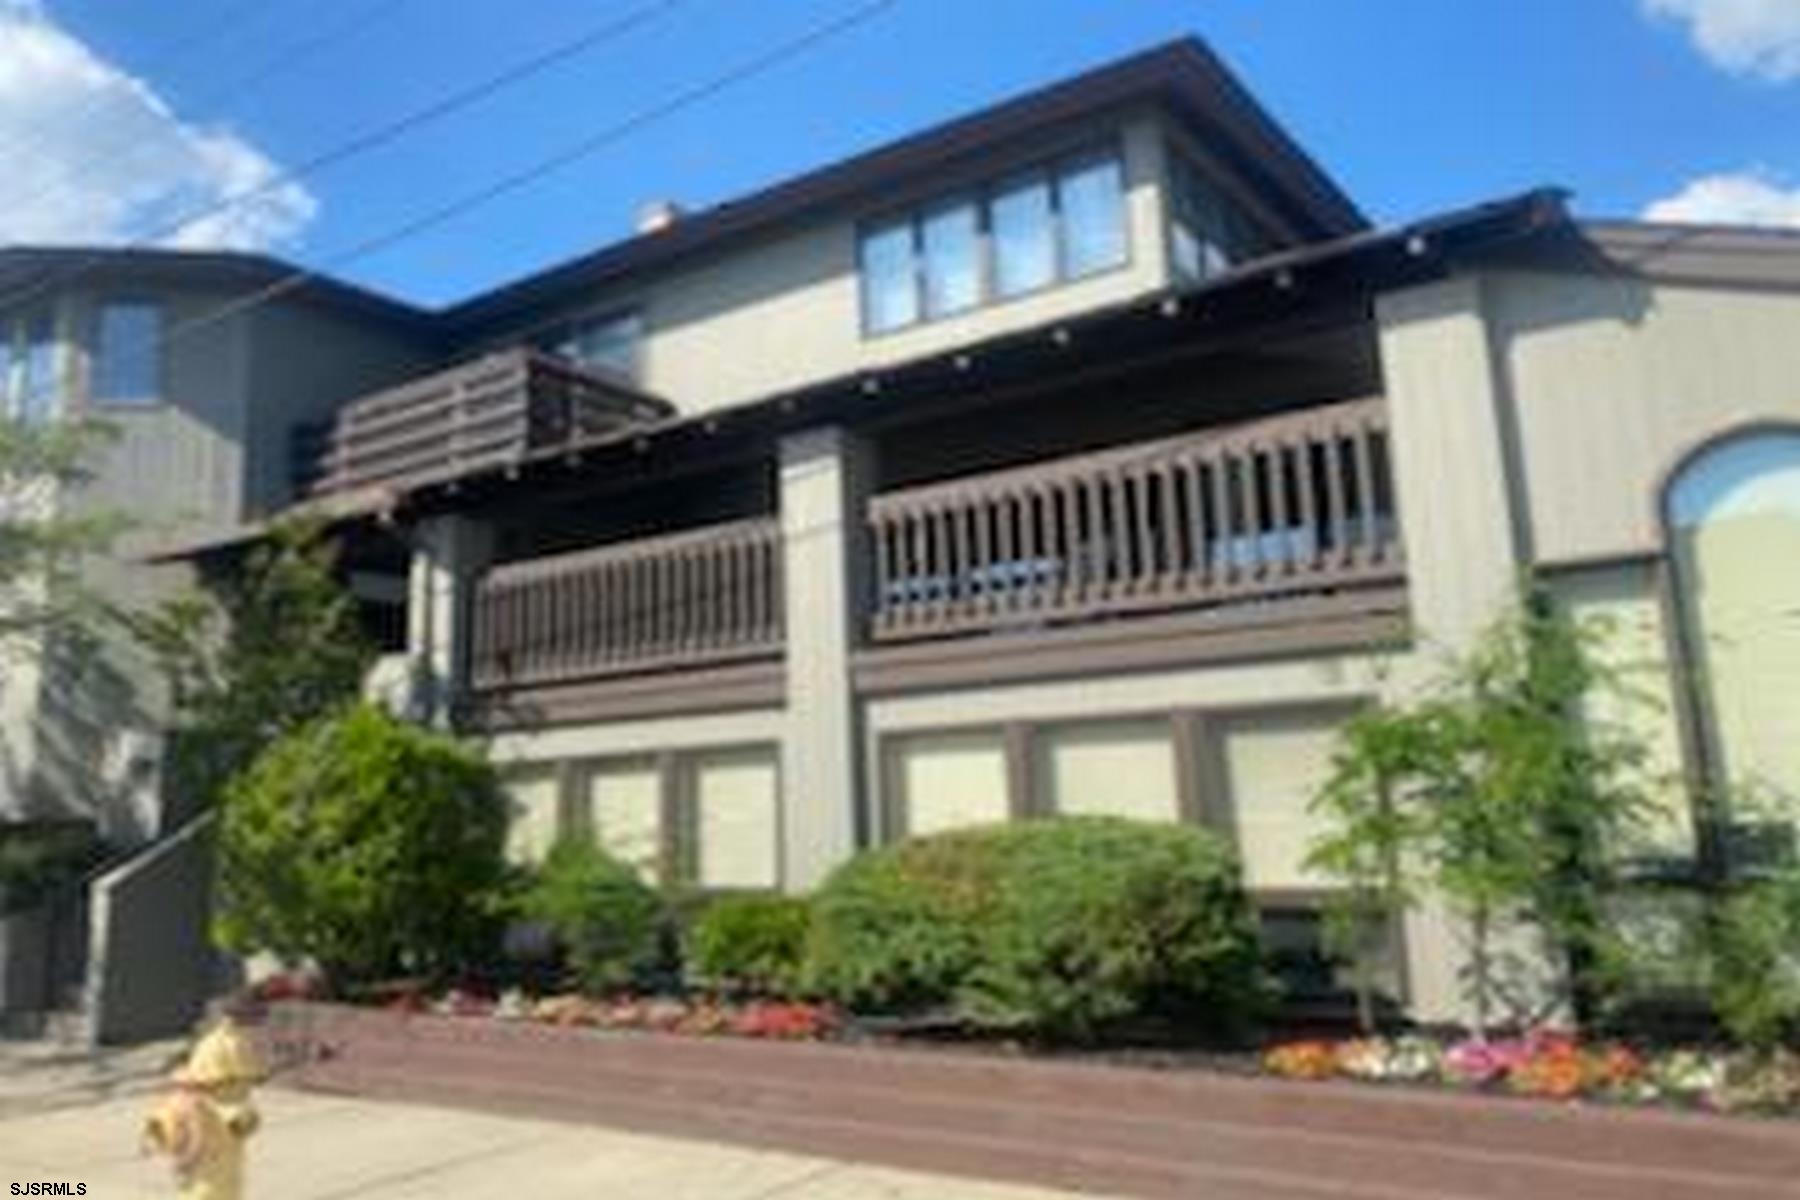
point(1109, 768)
point(707, 818)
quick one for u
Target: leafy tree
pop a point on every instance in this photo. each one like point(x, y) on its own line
point(43, 539)
point(1500, 791)
point(271, 647)
point(364, 844)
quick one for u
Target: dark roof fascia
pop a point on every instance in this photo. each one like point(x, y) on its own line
point(1183, 73)
point(25, 268)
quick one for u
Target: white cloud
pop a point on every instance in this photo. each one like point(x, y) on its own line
point(93, 154)
point(1753, 197)
point(1745, 37)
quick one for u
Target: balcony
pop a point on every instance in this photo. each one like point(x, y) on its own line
point(698, 598)
point(488, 413)
point(1296, 505)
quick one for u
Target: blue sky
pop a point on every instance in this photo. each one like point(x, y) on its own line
point(113, 120)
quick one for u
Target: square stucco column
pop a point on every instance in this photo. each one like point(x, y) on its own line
point(1456, 501)
point(449, 552)
point(825, 479)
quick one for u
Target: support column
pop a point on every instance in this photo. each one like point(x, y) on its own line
point(1457, 507)
point(825, 476)
point(449, 552)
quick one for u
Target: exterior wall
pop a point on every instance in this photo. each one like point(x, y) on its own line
point(1613, 379)
point(305, 363)
point(784, 311)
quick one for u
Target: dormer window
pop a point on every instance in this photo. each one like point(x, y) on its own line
point(1052, 224)
point(609, 341)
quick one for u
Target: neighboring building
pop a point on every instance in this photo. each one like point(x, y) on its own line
point(1090, 454)
point(201, 403)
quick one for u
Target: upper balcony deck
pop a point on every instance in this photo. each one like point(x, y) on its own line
point(466, 419)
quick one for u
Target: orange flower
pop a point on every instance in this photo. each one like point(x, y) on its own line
point(1302, 1060)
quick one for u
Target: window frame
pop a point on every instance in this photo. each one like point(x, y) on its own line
point(982, 193)
point(96, 350)
point(563, 330)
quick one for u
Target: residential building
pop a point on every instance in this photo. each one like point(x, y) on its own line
point(1089, 454)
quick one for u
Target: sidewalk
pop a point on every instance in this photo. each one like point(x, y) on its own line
point(36, 1076)
point(317, 1147)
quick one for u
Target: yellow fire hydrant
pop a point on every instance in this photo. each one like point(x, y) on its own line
point(206, 1117)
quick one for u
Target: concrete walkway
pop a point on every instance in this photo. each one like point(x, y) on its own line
point(316, 1147)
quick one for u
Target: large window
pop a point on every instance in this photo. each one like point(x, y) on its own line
point(610, 342)
point(127, 369)
point(1734, 532)
point(1054, 223)
point(1207, 232)
point(29, 382)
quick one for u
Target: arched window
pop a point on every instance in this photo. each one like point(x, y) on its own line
point(1733, 514)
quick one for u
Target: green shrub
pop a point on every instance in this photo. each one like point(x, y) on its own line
point(1055, 927)
point(609, 922)
point(1754, 962)
point(754, 944)
point(38, 857)
point(367, 845)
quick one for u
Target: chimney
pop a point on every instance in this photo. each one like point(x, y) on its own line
point(657, 216)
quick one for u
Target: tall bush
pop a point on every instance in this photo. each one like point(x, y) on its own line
point(364, 844)
point(1055, 927)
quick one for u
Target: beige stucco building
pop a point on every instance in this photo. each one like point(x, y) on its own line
point(1089, 454)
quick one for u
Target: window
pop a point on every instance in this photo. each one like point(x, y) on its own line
point(1276, 763)
point(128, 355)
point(1024, 237)
point(608, 342)
point(29, 383)
point(889, 278)
point(1054, 223)
point(625, 813)
point(1092, 193)
point(1207, 233)
point(951, 238)
point(1110, 768)
point(1734, 533)
point(737, 819)
point(534, 812)
point(949, 780)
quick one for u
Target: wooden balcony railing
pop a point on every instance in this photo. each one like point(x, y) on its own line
point(687, 599)
point(1299, 503)
point(481, 414)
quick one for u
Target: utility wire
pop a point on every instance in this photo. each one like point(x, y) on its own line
point(363, 143)
point(745, 71)
point(111, 153)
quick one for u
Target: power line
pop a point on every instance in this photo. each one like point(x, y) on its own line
point(745, 71)
point(170, 50)
point(364, 18)
point(372, 139)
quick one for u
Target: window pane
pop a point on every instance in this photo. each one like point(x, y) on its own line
point(609, 343)
point(738, 818)
point(1110, 768)
point(1092, 197)
point(1276, 763)
point(952, 263)
point(1204, 235)
point(1024, 248)
point(950, 780)
point(890, 293)
point(36, 379)
point(128, 359)
point(625, 806)
point(532, 804)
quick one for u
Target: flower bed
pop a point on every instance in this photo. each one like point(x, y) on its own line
point(1551, 1065)
point(1086, 1125)
point(1543, 1065)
